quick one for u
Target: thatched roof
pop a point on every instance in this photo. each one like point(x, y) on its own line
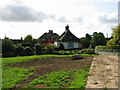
point(68, 36)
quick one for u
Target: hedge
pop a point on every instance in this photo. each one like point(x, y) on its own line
point(113, 48)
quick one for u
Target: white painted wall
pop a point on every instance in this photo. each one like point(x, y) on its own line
point(76, 45)
point(56, 43)
point(66, 44)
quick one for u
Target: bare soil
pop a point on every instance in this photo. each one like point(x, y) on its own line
point(104, 72)
point(47, 65)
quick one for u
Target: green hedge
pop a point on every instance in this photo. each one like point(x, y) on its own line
point(87, 51)
point(113, 48)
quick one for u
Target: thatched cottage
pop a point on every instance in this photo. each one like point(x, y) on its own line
point(69, 40)
point(49, 37)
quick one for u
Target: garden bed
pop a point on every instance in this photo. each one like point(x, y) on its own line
point(47, 65)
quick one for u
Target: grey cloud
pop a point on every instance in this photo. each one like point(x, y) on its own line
point(104, 19)
point(21, 13)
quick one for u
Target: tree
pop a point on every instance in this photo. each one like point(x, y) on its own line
point(8, 48)
point(98, 39)
point(116, 37)
point(28, 39)
point(85, 41)
point(88, 37)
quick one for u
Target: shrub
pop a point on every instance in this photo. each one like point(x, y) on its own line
point(87, 51)
point(8, 48)
point(61, 47)
point(38, 49)
point(49, 49)
point(28, 51)
point(19, 50)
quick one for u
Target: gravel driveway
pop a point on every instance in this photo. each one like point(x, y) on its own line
point(104, 72)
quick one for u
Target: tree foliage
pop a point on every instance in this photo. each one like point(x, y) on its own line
point(85, 41)
point(8, 48)
point(98, 39)
point(28, 39)
point(116, 37)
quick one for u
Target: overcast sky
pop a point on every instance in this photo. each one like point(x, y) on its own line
point(22, 17)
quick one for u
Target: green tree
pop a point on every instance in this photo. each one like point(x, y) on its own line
point(8, 48)
point(88, 37)
point(98, 39)
point(116, 37)
point(28, 39)
point(85, 41)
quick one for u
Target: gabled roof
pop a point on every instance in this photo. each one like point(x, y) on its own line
point(68, 36)
point(48, 35)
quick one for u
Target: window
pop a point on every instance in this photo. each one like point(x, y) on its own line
point(70, 45)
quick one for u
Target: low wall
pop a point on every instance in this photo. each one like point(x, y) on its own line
point(114, 50)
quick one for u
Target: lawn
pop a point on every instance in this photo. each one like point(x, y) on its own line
point(16, 75)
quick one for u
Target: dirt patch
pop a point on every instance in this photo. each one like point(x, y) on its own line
point(104, 72)
point(47, 65)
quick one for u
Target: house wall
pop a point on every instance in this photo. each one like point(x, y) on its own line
point(76, 45)
point(66, 44)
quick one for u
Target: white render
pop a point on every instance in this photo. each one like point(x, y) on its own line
point(67, 44)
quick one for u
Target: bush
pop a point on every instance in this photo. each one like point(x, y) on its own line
point(109, 48)
point(38, 49)
point(87, 51)
point(28, 51)
point(61, 47)
point(49, 49)
point(19, 50)
point(8, 48)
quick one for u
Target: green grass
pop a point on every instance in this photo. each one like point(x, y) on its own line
point(80, 79)
point(62, 79)
point(13, 76)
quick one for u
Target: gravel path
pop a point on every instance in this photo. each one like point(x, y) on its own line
point(104, 72)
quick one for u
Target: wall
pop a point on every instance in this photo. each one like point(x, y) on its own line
point(66, 44)
point(76, 45)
